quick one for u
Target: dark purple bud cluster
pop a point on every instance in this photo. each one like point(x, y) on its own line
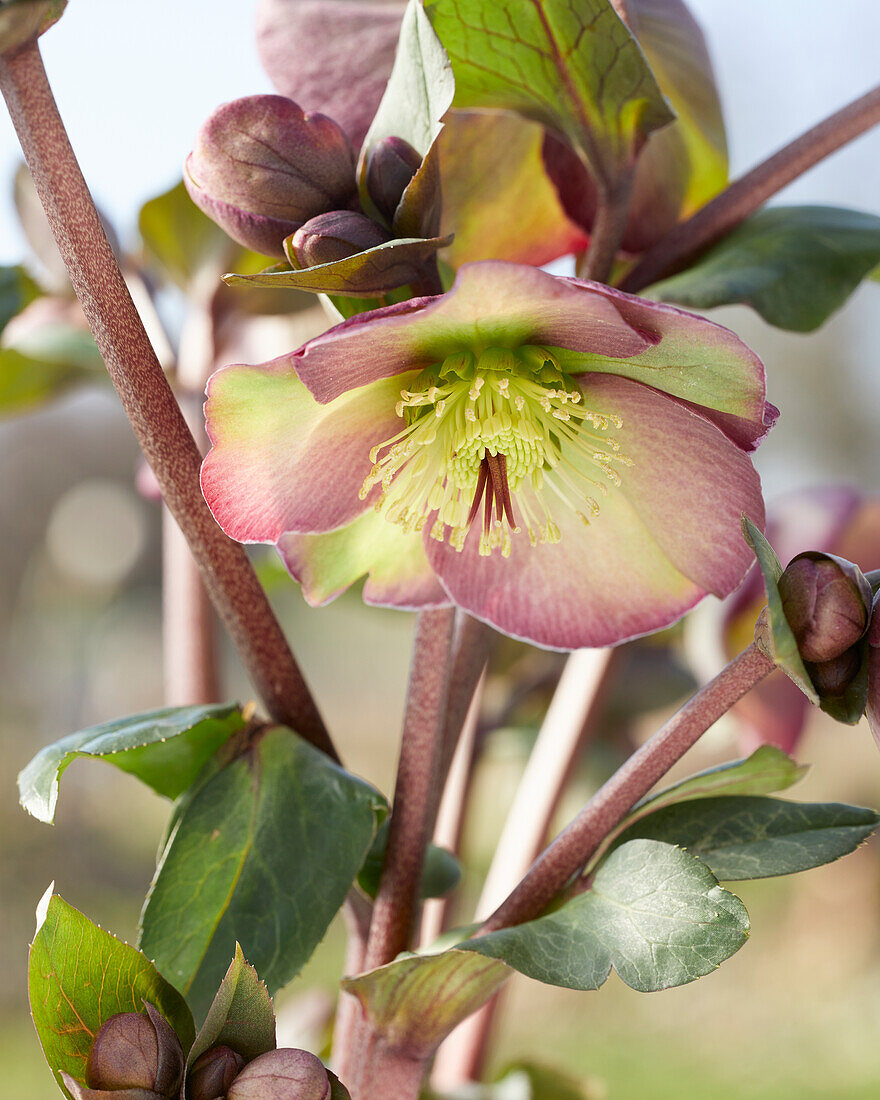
point(213, 1073)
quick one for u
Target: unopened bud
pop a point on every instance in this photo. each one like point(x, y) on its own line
point(832, 678)
point(826, 601)
point(282, 1075)
point(391, 165)
point(261, 167)
point(137, 1052)
point(212, 1073)
point(24, 20)
point(335, 236)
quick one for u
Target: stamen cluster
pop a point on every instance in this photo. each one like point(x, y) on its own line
point(483, 429)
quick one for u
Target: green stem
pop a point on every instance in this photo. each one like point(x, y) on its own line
point(751, 191)
point(568, 853)
point(146, 397)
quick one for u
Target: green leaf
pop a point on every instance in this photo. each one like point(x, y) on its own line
point(795, 265)
point(375, 271)
point(166, 749)
point(263, 853)
point(79, 976)
point(241, 1015)
point(777, 642)
point(747, 836)
point(574, 68)
point(17, 289)
point(442, 871)
point(654, 912)
point(419, 90)
point(415, 1001)
point(182, 241)
point(26, 382)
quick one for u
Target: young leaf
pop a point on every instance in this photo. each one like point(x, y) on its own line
point(742, 837)
point(441, 872)
point(262, 853)
point(241, 1015)
point(166, 749)
point(79, 976)
point(415, 1001)
point(574, 68)
point(795, 265)
point(654, 912)
point(367, 274)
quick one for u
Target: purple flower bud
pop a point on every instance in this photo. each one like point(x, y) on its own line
point(261, 167)
point(391, 165)
point(832, 678)
point(335, 236)
point(213, 1073)
point(136, 1051)
point(826, 601)
point(282, 1075)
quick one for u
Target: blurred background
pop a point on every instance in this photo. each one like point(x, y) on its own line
point(796, 1013)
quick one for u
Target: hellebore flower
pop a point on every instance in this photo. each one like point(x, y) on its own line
point(834, 520)
point(561, 460)
point(261, 167)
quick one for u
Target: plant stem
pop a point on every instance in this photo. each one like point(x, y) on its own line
point(473, 645)
point(346, 1027)
point(146, 397)
point(412, 814)
point(568, 853)
point(569, 719)
point(751, 191)
point(609, 224)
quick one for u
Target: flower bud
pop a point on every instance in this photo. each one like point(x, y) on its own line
point(133, 1051)
point(832, 678)
point(335, 236)
point(391, 164)
point(261, 167)
point(282, 1075)
point(213, 1073)
point(826, 602)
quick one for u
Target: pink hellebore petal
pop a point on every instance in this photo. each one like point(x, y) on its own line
point(833, 520)
point(563, 461)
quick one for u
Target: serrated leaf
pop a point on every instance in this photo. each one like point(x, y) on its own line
point(795, 265)
point(415, 1001)
point(241, 1015)
point(654, 912)
point(166, 749)
point(79, 976)
point(746, 836)
point(367, 274)
point(574, 68)
point(780, 638)
point(262, 853)
point(441, 873)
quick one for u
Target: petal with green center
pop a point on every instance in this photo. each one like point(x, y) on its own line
point(688, 357)
point(280, 461)
point(491, 304)
point(394, 562)
point(662, 540)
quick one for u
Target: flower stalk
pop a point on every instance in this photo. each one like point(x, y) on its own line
point(747, 194)
point(146, 396)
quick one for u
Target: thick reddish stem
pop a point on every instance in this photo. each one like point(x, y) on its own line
point(751, 191)
point(572, 848)
point(146, 397)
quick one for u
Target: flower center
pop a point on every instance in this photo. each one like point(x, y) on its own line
point(503, 433)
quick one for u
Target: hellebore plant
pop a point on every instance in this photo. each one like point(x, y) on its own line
point(565, 462)
point(493, 447)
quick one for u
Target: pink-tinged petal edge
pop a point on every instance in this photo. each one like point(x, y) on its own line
point(398, 573)
point(490, 303)
point(280, 461)
point(663, 540)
